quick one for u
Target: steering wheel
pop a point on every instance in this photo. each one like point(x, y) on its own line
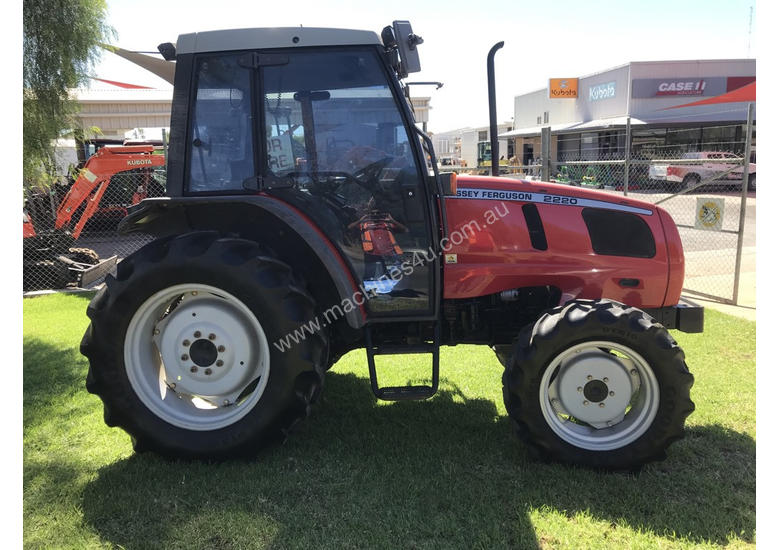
point(371, 171)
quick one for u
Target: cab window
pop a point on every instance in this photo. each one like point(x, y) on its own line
point(220, 137)
point(336, 142)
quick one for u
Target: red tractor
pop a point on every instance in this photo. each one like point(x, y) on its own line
point(302, 222)
point(51, 259)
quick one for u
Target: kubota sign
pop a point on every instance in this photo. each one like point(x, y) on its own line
point(564, 87)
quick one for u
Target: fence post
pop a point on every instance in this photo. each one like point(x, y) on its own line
point(546, 131)
point(743, 202)
point(627, 149)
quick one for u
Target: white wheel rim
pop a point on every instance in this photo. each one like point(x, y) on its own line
point(599, 395)
point(193, 353)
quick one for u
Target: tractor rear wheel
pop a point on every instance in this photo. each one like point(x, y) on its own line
point(598, 384)
point(184, 348)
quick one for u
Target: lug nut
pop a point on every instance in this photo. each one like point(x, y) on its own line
point(172, 385)
point(226, 403)
point(197, 334)
point(194, 292)
point(611, 394)
point(221, 348)
point(590, 377)
point(208, 371)
point(193, 368)
point(212, 336)
point(585, 402)
point(185, 343)
point(156, 331)
point(579, 388)
point(220, 363)
point(185, 357)
point(634, 372)
point(606, 379)
point(601, 405)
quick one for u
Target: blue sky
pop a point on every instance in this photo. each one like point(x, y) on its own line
point(542, 39)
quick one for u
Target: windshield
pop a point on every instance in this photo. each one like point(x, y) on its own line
point(337, 146)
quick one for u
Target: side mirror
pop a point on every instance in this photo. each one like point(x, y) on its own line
point(407, 43)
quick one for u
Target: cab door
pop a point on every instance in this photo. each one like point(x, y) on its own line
point(336, 144)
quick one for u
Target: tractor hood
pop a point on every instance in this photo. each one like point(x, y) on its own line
point(506, 234)
point(512, 190)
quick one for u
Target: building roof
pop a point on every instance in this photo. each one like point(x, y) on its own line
point(536, 130)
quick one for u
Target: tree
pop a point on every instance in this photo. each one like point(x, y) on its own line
point(61, 45)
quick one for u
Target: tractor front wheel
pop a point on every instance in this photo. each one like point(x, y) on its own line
point(184, 347)
point(598, 384)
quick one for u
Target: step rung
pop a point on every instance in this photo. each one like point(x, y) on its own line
point(404, 393)
point(403, 350)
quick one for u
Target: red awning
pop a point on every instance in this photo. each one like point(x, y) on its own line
point(122, 84)
point(740, 95)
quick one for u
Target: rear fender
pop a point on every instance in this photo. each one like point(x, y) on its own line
point(264, 219)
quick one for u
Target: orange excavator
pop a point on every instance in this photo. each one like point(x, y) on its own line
point(50, 258)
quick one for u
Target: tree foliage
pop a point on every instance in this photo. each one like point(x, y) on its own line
point(61, 45)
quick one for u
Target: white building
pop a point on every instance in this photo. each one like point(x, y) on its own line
point(472, 145)
point(673, 105)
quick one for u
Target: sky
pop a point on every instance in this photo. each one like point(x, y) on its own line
point(542, 39)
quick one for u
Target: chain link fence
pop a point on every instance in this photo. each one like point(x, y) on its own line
point(73, 243)
point(708, 187)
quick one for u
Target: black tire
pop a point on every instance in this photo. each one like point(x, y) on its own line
point(752, 182)
point(264, 285)
point(503, 353)
point(45, 275)
point(578, 323)
point(689, 181)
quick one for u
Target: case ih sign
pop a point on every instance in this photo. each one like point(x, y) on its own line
point(664, 87)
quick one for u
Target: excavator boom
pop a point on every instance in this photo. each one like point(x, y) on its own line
point(94, 178)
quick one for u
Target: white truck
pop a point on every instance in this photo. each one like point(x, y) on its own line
point(713, 163)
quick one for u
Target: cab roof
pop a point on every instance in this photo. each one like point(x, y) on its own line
point(266, 38)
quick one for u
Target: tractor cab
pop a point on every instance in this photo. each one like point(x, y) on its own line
point(316, 118)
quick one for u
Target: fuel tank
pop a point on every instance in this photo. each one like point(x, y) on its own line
point(506, 233)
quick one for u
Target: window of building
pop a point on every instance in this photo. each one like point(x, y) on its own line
point(483, 135)
point(685, 139)
point(546, 117)
point(539, 120)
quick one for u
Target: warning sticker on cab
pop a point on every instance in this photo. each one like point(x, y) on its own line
point(545, 198)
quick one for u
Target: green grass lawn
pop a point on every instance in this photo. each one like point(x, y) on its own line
point(443, 473)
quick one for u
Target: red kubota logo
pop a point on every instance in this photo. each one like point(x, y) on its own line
point(681, 87)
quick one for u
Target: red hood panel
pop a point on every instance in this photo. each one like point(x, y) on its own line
point(490, 247)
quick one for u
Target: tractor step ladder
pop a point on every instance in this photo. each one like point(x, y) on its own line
point(403, 393)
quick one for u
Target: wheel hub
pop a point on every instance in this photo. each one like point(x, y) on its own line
point(599, 395)
point(594, 387)
point(203, 353)
point(197, 356)
point(596, 391)
point(213, 368)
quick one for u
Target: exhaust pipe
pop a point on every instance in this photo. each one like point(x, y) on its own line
point(492, 106)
